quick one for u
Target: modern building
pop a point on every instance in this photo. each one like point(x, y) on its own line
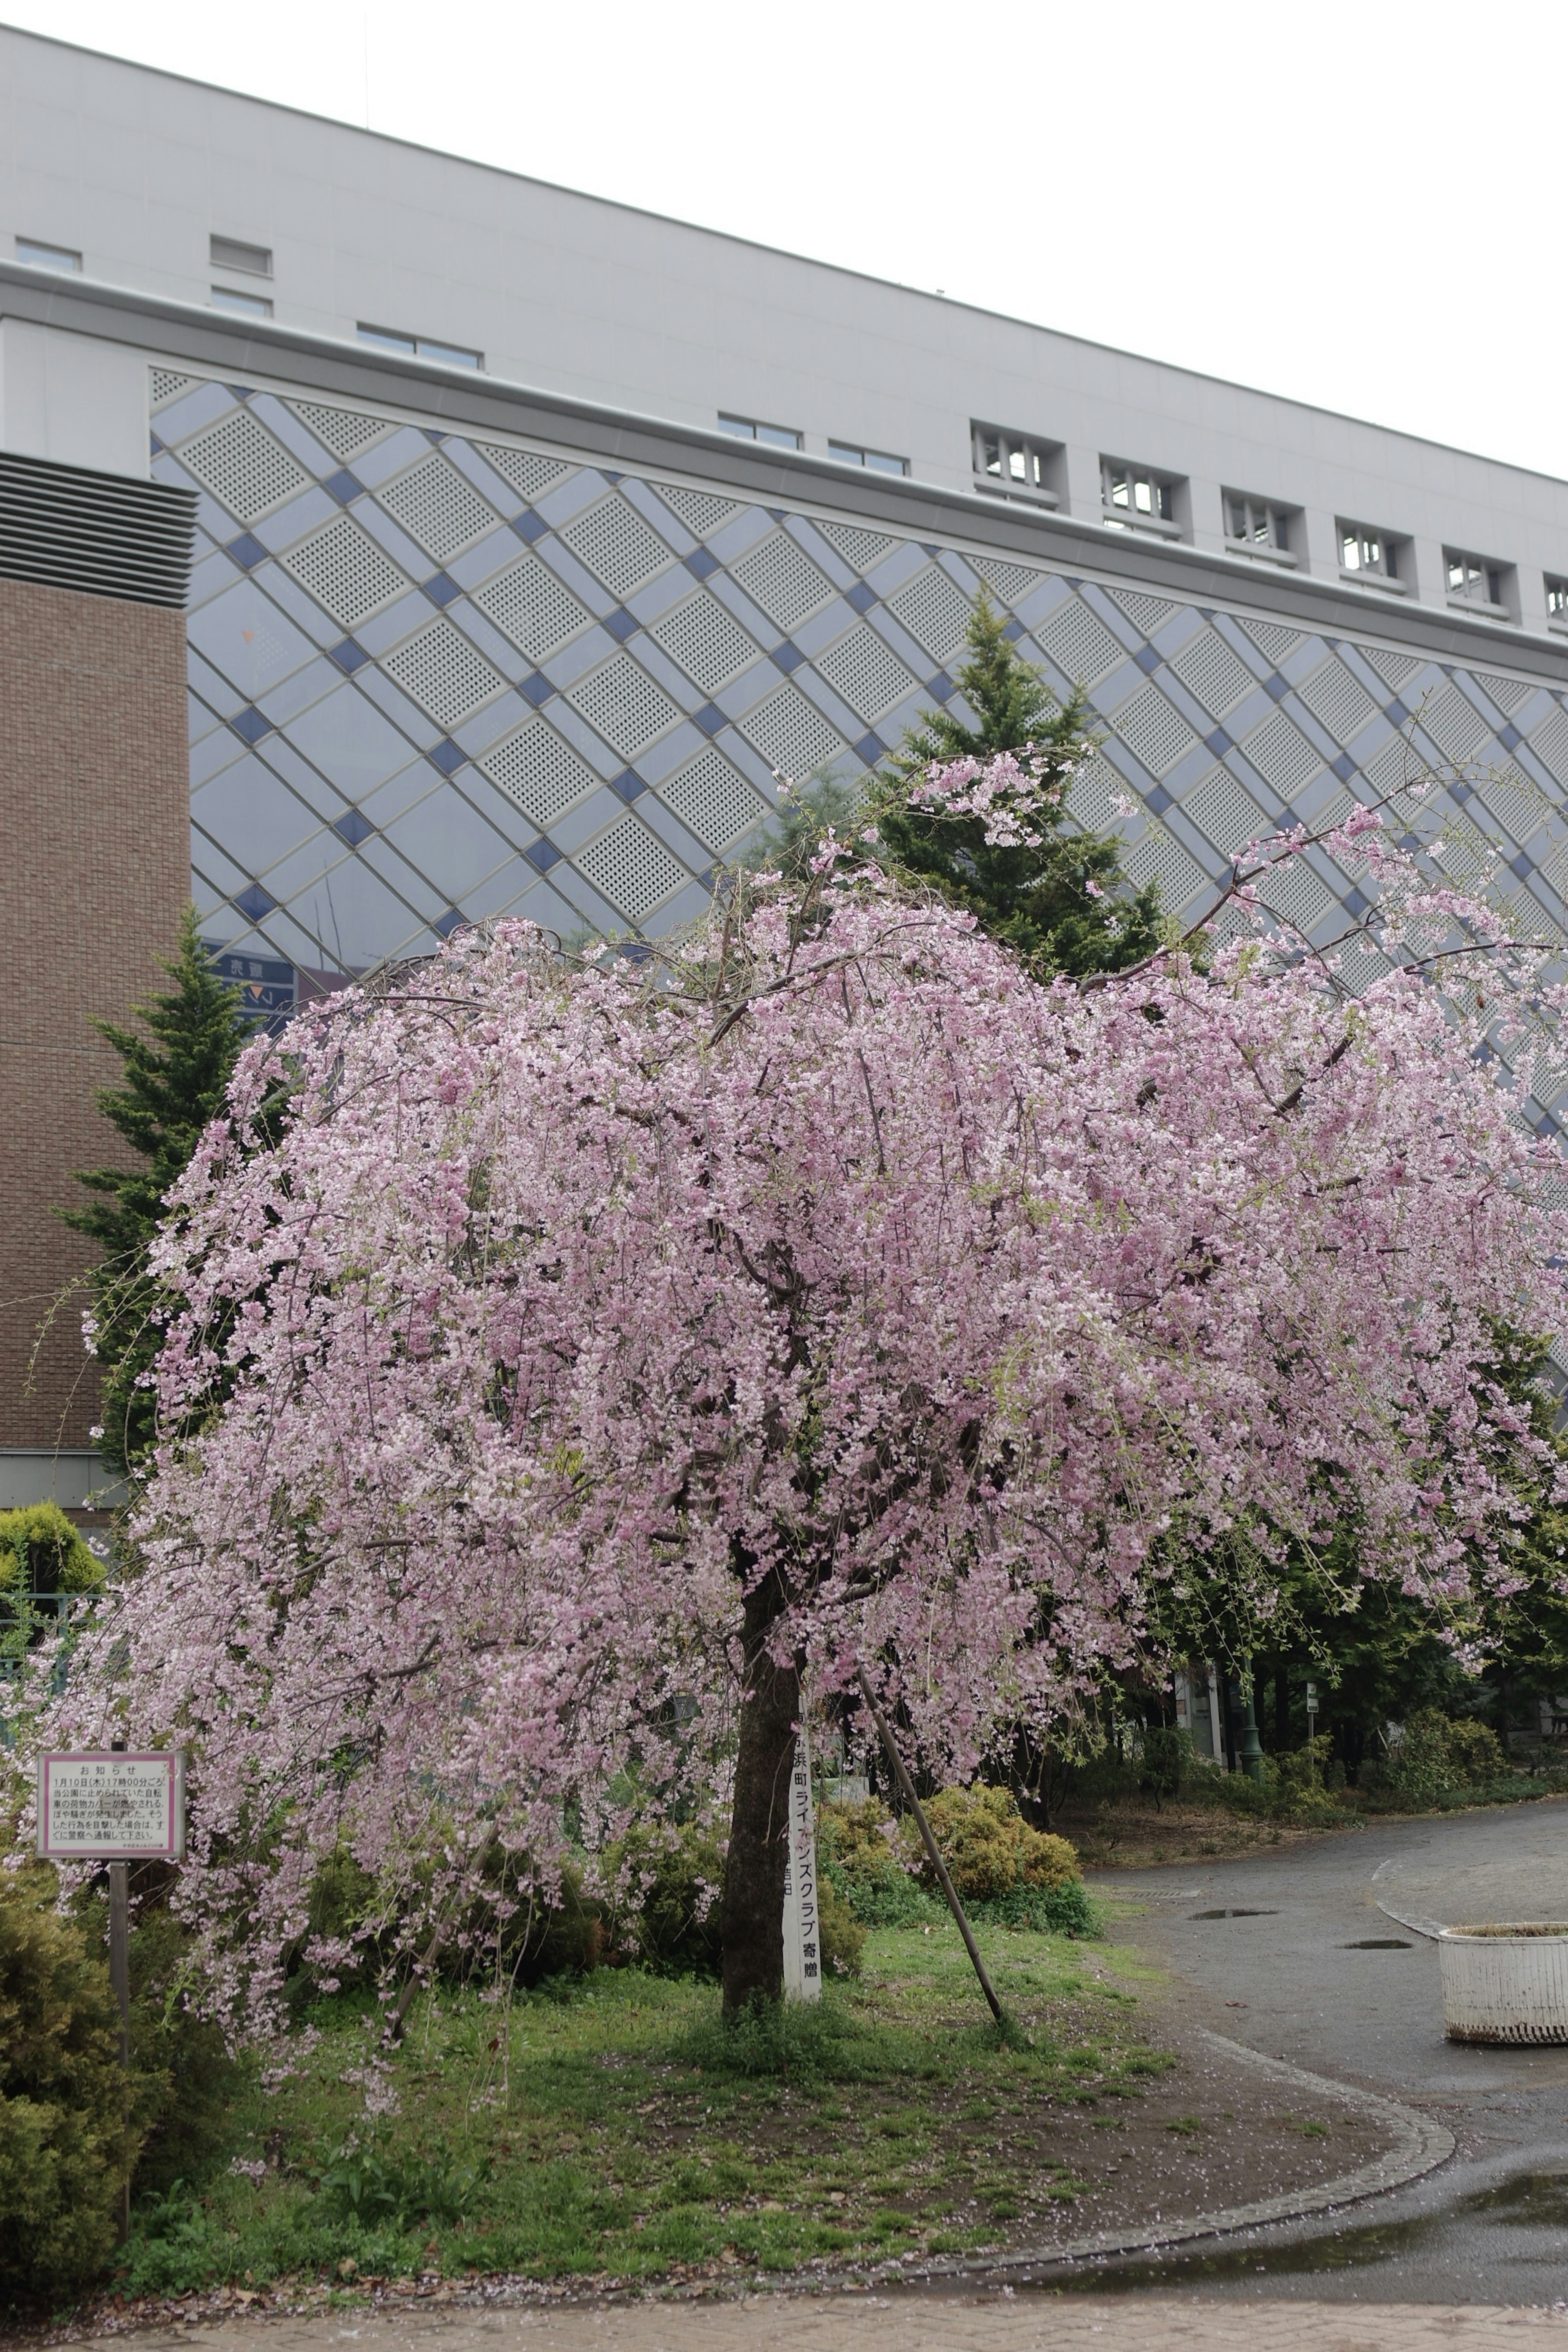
point(528, 539)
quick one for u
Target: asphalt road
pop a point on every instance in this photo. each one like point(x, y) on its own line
point(1292, 1953)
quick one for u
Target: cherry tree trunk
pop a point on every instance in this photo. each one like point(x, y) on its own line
point(753, 1913)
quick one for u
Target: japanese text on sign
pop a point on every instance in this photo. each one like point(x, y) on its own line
point(106, 1806)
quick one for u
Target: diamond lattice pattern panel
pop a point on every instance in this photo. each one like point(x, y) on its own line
point(1507, 693)
point(1146, 613)
point(167, 383)
point(346, 572)
point(1340, 701)
point(344, 431)
point(935, 611)
point(1095, 795)
point(703, 511)
point(1208, 668)
point(1153, 731)
point(781, 578)
point(243, 467)
point(708, 643)
point(866, 671)
point(1158, 855)
point(623, 704)
point(1011, 582)
point(618, 547)
point(1550, 743)
point(1294, 891)
point(445, 674)
point(710, 798)
point(530, 606)
point(791, 734)
point(542, 774)
point(1226, 813)
point(1392, 667)
point(530, 473)
point(1516, 801)
point(1454, 723)
point(1276, 644)
point(632, 866)
point(1081, 647)
point(437, 506)
point(862, 549)
point(1281, 754)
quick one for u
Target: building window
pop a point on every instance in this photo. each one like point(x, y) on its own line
point(1253, 522)
point(877, 460)
point(1369, 554)
point(747, 428)
point(255, 306)
point(1012, 463)
point(1471, 580)
point(1557, 600)
point(1135, 498)
point(233, 253)
point(423, 347)
point(47, 256)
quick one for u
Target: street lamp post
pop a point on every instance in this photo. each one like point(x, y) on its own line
point(1250, 1754)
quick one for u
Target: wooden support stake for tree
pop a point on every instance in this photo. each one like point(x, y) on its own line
point(937, 1863)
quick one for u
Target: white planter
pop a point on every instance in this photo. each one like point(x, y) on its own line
point(1505, 1983)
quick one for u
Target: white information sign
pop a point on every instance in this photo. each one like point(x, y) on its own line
point(802, 1936)
point(113, 1805)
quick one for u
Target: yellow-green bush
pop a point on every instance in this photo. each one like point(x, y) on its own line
point(989, 1848)
point(40, 1552)
point(841, 1936)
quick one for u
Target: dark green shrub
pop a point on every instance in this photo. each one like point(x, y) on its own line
point(187, 2082)
point(841, 1934)
point(1064, 1910)
point(665, 1909)
point(860, 1857)
point(1166, 1762)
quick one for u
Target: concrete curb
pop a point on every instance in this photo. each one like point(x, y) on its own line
point(1421, 2145)
point(1420, 1926)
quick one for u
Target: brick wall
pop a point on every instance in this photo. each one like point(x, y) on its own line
point(94, 869)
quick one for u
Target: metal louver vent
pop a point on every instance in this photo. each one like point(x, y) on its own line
point(100, 535)
point(437, 506)
point(344, 431)
point(866, 671)
point(1011, 582)
point(166, 384)
point(1282, 755)
point(345, 571)
point(632, 866)
point(791, 734)
point(1208, 668)
point(863, 549)
point(243, 467)
point(1082, 648)
point(710, 798)
point(542, 774)
point(1154, 730)
point(623, 703)
point(708, 642)
point(1145, 612)
point(781, 578)
point(530, 606)
point(935, 611)
point(700, 510)
point(1158, 855)
point(1338, 700)
point(530, 473)
point(1454, 723)
point(446, 675)
point(1224, 812)
point(618, 547)
point(1273, 643)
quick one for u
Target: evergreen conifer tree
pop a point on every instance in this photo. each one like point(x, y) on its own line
point(1063, 905)
point(174, 1083)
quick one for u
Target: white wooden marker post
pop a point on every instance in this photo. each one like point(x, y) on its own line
point(802, 1935)
point(107, 1804)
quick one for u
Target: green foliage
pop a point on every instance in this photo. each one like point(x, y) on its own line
point(817, 804)
point(177, 1067)
point(668, 1915)
point(1433, 1758)
point(66, 2141)
point(1064, 1909)
point(40, 1552)
point(187, 2084)
point(364, 2180)
point(989, 1848)
point(840, 1935)
point(860, 1857)
point(1038, 901)
point(1167, 1761)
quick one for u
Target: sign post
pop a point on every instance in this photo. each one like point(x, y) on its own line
point(110, 1805)
point(801, 1928)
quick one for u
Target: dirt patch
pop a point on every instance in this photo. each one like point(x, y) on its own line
point(1130, 1833)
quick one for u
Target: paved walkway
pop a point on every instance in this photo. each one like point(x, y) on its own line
point(908, 2323)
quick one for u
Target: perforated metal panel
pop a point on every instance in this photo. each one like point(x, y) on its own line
point(863, 549)
point(623, 704)
point(438, 507)
point(632, 866)
point(781, 578)
point(703, 511)
point(542, 774)
point(1276, 644)
point(1517, 801)
point(1360, 965)
point(935, 611)
point(866, 671)
point(1147, 613)
point(166, 384)
point(1153, 731)
point(1507, 693)
point(344, 431)
point(530, 472)
point(709, 796)
point(1281, 754)
point(1454, 723)
point(1550, 743)
point(1464, 853)
point(345, 571)
point(1338, 700)
point(791, 734)
point(445, 674)
point(1011, 582)
point(243, 467)
point(528, 604)
point(1392, 667)
point(1082, 648)
point(1157, 855)
point(1294, 891)
point(1397, 764)
point(1093, 796)
point(708, 643)
point(1208, 668)
point(618, 547)
point(1224, 812)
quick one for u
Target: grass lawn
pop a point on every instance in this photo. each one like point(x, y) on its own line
point(611, 2129)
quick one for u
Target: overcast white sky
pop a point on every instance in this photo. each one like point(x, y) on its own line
point(1361, 205)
